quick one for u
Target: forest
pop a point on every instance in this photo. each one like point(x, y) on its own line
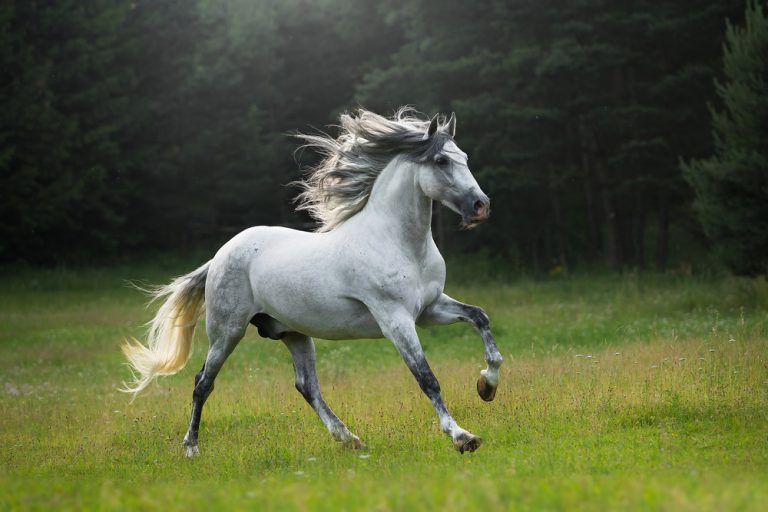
point(129, 129)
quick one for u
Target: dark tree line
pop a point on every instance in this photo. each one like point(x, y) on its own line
point(131, 127)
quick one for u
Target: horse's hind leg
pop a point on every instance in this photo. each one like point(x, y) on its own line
point(225, 330)
point(303, 351)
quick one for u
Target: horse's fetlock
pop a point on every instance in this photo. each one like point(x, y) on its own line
point(495, 361)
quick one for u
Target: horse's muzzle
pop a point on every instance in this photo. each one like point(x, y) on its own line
point(477, 209)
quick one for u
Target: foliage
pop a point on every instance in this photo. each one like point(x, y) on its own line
point(132, 127)
point(732, 185)
point(575, 114)
point(63, 101)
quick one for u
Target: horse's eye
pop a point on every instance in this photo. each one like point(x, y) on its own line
point(441, 161)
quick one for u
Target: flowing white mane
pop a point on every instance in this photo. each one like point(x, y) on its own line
point(339, 186)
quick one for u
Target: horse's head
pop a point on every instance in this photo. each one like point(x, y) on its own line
point(446, 177)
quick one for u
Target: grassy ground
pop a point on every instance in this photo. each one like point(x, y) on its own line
point(624, 392)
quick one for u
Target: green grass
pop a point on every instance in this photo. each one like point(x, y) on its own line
point(645, 392)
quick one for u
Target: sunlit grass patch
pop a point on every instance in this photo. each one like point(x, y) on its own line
point(616, 392)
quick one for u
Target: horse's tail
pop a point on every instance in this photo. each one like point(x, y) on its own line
point(169, 340)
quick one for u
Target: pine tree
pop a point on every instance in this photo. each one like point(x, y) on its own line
point(61, 106)
point(732, 185)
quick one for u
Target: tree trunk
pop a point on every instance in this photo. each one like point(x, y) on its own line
point(610, 247)
point(559, 230)
point(638, 220)
point(662, 235)
point(594, 232)
point(638, 231)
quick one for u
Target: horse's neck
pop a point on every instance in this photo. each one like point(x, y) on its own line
point(398, 203)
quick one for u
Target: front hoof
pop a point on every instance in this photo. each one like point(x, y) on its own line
point(467, 442)
point(485, 390)
point(191, 451)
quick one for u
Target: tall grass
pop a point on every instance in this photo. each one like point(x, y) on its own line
point(626, 392)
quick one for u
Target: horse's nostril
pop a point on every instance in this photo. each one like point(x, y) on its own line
point(481, 209)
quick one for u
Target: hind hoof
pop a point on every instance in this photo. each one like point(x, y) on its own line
point(191, 451)
point(354, 444)
point(467, 443)
point(485, 390)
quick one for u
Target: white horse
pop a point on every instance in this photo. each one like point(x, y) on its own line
point(372, 270)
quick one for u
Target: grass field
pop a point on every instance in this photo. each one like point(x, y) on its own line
point(638, 392)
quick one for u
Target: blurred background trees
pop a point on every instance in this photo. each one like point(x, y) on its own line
point(732, 185)
point(128, 128)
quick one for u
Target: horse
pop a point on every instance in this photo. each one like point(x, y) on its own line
point(371, 269)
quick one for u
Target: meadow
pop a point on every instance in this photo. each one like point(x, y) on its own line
point(629, 391)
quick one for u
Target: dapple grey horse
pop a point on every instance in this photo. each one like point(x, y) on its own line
point(372, 269)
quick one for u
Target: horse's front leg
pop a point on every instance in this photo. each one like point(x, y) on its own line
point(400, 328)
point(446, 310)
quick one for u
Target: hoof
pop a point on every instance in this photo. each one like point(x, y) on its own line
point(191, 451)
point(467, 443)
point(485, 391)
point(354, 444)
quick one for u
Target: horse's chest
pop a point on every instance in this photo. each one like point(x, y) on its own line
point(414, 286)
point(432, 283)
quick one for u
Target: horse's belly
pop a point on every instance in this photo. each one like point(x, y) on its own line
point(332, 319)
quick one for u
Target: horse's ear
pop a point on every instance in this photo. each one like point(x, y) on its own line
point(433, 125)
point(452, 125)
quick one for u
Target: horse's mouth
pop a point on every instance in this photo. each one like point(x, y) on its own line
point(472, 222)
